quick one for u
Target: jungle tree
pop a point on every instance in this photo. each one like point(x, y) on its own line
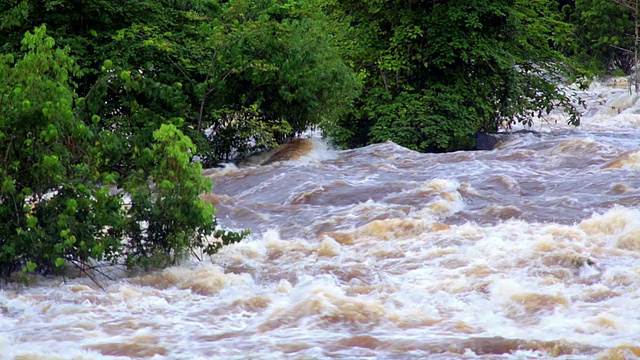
point(436, 72)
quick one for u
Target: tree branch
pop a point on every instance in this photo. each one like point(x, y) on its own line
point(622, 49)
point(179, 68)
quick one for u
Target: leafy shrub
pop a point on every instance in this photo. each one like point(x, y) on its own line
point(65, 174)
point(240, 133)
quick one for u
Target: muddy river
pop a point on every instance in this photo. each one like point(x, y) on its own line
point(529, 251)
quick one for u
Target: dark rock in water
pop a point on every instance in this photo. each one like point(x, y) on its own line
point(293, 150)
point(485, 141)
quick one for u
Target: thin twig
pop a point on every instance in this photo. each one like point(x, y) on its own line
point(619, 48)
point(80, 266)
point(6, 155)
point(179, 68)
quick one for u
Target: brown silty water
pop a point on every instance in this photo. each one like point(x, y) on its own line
point(529, 251)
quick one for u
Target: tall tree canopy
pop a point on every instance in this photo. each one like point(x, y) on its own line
point(437, 71)
point(250, 71)
point(603, 33)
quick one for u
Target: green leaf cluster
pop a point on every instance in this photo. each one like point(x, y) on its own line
point(107, 178)
point(436, 72)
point(602, 37)
point(52, 207)
point(279, 58)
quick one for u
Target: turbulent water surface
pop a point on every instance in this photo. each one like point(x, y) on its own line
point(529, 251)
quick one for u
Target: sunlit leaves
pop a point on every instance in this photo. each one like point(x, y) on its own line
point(48, 169)
point(62, 155)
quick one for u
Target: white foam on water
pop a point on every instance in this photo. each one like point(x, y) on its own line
point(513, 279)
point(398, 271)
point(607, 108)
point(485, 277)
point(226, 168)
point(321, 151)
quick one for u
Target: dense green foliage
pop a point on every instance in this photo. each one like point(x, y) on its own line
point(603, 33)
point(102, 113)
point(273, 59)
point(48, 186)
point(438, 71)
point(122, 190)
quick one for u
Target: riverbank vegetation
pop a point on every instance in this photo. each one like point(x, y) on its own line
point(104, 104)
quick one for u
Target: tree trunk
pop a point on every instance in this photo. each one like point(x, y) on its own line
point(635, 50)
point(633, 6)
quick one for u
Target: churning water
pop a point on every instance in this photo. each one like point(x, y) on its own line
point(530, 251)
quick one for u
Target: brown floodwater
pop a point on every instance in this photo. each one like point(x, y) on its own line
point(529, 251)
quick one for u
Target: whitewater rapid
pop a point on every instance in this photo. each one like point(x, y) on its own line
point(529, 251)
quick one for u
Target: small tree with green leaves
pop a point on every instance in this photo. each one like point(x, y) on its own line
point(54, 208)
point(65, 174)
point(168, 220)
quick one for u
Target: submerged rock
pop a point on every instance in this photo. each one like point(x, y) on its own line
point(485, 141)
point(293, 150)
